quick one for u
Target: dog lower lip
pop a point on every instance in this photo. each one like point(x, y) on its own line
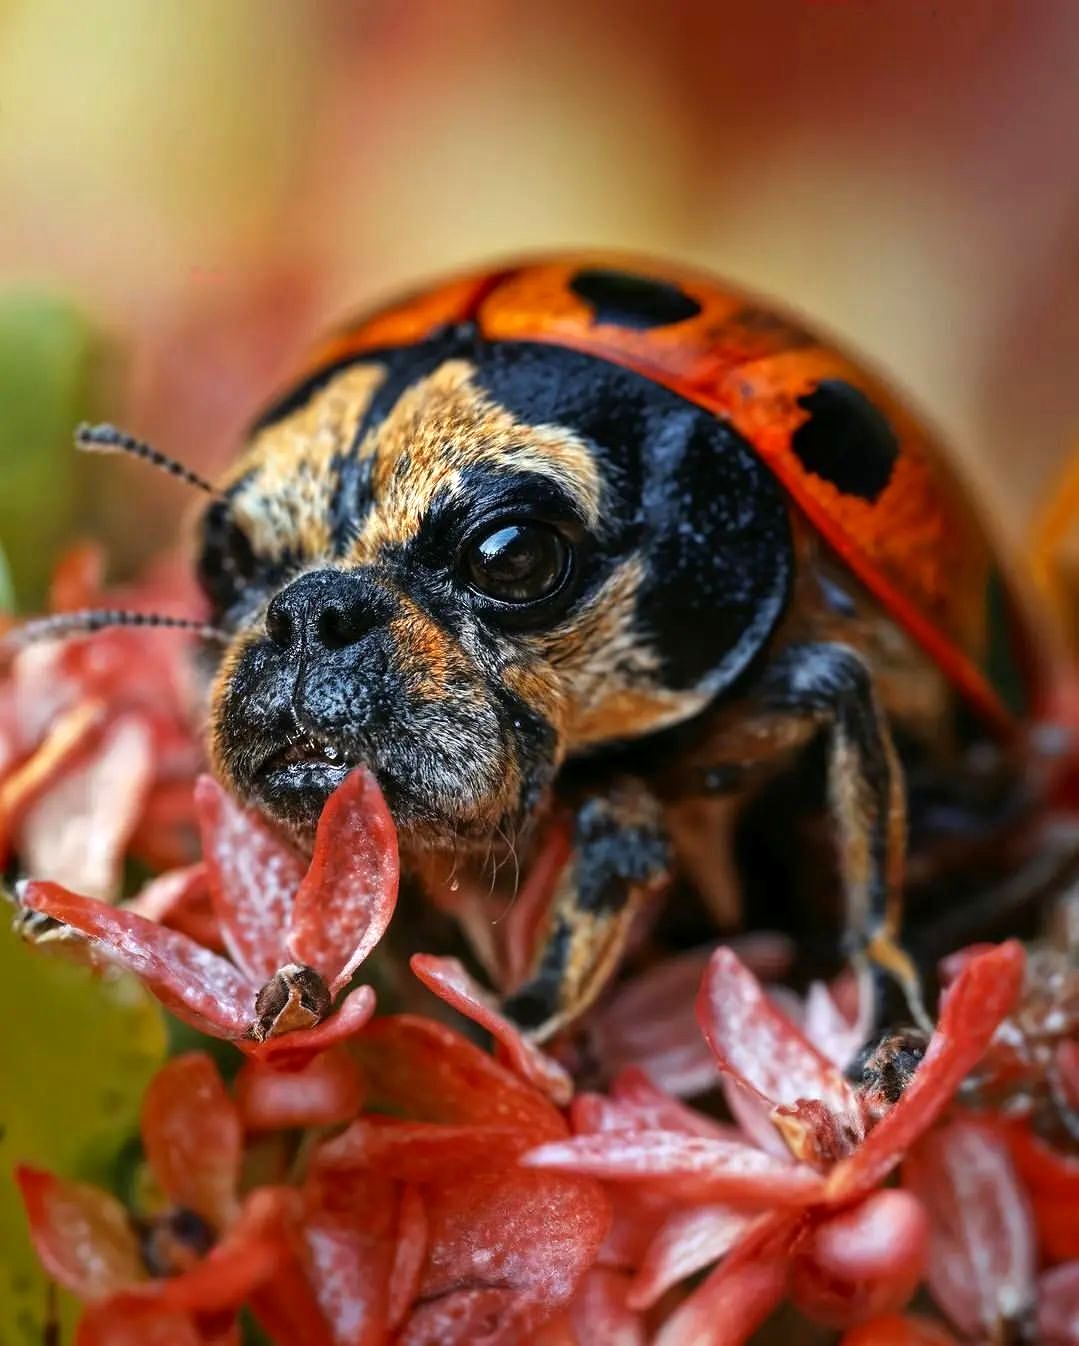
point(306, 752)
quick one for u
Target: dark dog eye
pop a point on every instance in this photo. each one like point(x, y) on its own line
point(517, 562)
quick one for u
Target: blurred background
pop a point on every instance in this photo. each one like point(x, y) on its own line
point(192, 188)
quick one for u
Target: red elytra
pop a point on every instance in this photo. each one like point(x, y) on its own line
point(916, 541)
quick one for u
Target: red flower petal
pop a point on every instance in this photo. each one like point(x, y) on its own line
point(292, 1051)
point(192, 1137)
point(533, 902)
point(979, 999)
point(600, 1313)
point(180, 899)
point(422, 1069)
point(634, 1092)
point(420, 1152)
point(695, 1167)
point(71, 737)
point(1052, 1181)
point(409, 1256)
point(198, 986)
point(131, 1320)
point(893, 1330)
point(348, 894)
point(253, 876)
point(729, 1307)
point(762, 1049)
point(447, 978)
point(81, 1234)
point(981, 1269)
point(1058, 1305)
point(77, 831)
point(507, 1249)
point(324, 1092)
point(688, 1241)
point(864, 1262)
point(349, 1231)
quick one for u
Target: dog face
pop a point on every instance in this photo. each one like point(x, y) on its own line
point(462, 563)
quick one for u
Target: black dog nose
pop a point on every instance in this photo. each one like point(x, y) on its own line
point(327, 608)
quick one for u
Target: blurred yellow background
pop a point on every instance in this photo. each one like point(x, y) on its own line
point(208, 182)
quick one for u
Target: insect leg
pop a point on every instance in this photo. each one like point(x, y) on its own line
point(620, 861)
point(867, 800)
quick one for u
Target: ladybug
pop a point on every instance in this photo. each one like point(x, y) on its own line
point(609, 540)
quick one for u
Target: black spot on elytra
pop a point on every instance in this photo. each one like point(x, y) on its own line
point(846, 440)
point(626, 300)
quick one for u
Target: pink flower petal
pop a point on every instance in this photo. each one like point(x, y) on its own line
point(253, 877)
point(979, 999)
point(348, 894)
point(198, 986)
point(419, 1152)
point(447, 978)
point(983, 1253)
point(421, 1069)
point(600, 1312)
point(763, 1051)
point(650, 1023)
point(410, 1254)
point(292, 1051)
point(77, 831)
point(81, 1234)
point(325, 1092)
point(825, 1025)
point(180, 899)
point(730, 1305)
point(688, 1241)
point(192, 1137)
point(863, 1262)
point(507, 1250)
point(1058, 1305)
point(349, 1232)
point(695, 1167)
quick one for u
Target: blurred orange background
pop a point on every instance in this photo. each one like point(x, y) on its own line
point(212, 181)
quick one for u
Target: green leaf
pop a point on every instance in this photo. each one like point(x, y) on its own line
point(77, 1049)
point(7, 590)
point(46, 360)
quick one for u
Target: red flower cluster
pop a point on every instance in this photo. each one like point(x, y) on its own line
point(368, 1180)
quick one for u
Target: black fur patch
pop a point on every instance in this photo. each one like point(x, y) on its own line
point(626, 300)
point(846, 440)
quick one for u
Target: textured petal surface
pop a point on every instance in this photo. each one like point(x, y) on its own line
point(975, 1004)
point(762, 1049)
point(348, 894)
point(600, 1313)
point(180, 899)
point(981, 1270)
point(421, 1069)
point(198, 986)
point(254, 874)
point(729, 1307)
point(447, 978)
point(506, 1252)
point(688, 1241)
point(410, 1253)
point(133, 1320)
point(82, 1235)
point(694, 1166)
point(323, 1093)
point(193, 1139)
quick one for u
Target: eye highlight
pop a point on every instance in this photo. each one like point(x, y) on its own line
point(517, 561)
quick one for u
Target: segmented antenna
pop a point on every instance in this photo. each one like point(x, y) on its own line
point(108, 439)
point(100, 619)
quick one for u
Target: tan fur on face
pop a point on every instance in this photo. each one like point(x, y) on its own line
point(286, 504)
point(442, 425)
